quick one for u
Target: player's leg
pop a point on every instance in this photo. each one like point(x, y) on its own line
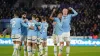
point(29, 46)
point(25, 46)
point(15, 50)
point(20, 47)
point(14, 45)
point(38, 43)
point(41, 47)
point(67, 39)
point(34, 40)
point(61, 45)
point(67, 48)
point(55, 39)
point(18, 43)
point(45, 47)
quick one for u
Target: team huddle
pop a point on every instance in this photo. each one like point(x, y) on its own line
point(34, 33)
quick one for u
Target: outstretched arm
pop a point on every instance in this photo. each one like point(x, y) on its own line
point(51, 16)
point(75, 13)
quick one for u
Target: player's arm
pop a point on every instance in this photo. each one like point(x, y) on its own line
point(47, 25)
point(26, 25)
point(75, 13)
point(25, 20)
point(23, 23)
point(51, 16)
point(8, 30)
point(54, 23)
point(39, 26)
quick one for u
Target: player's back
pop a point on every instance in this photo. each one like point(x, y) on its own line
point(44, 26)
point(43, 30)
point(16, 25)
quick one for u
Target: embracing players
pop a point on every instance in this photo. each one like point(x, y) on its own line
point(16, 23)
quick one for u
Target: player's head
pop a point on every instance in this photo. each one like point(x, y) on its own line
point(29, 18)
point(24, 14)
point(59, 15)
point(16, 14)
point(33, 17)
point(65, 11)
point(37, 19)
point(43, 19)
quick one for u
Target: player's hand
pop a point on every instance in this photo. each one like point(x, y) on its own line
point(70, 8)
point(31, 27)
point(25, 20)
point(54, 23)
point(39, 27)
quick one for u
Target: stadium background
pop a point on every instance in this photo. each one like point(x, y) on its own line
point(85, 26)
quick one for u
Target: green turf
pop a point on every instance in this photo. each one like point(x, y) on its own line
point(75, 51)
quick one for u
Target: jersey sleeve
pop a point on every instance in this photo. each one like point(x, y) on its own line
point(55, 19)
point(75, 13)
point(47, 25)
point(24, 24)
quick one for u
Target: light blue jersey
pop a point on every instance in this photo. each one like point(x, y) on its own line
point(38, 31)
point(24, 29)
point(43, 30)
point(66, 21)
point(16, 25)
point(58, 26)
point(32, 32)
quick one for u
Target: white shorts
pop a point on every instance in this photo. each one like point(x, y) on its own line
point(57, 38)
point(16, 37)
point(43, 40)
point(24, 38)
point(66, 36)
point(32, 39)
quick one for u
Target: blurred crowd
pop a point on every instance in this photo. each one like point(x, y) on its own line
point(86, 23)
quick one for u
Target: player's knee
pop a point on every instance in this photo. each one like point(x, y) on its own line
point(14, 42)
point(17, 42)
point(61, 44)
point(67, 43)
point(20, 43)
point(33, 44)
point(25, 43)
point(45, 44)
point(29, 44)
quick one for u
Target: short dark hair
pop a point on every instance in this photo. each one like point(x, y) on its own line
point(29, 17)
point(44, 18)
point(34, 15)
point(23, 13)
point(16, 13)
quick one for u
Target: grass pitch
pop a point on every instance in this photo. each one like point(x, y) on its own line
point(75, 51)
